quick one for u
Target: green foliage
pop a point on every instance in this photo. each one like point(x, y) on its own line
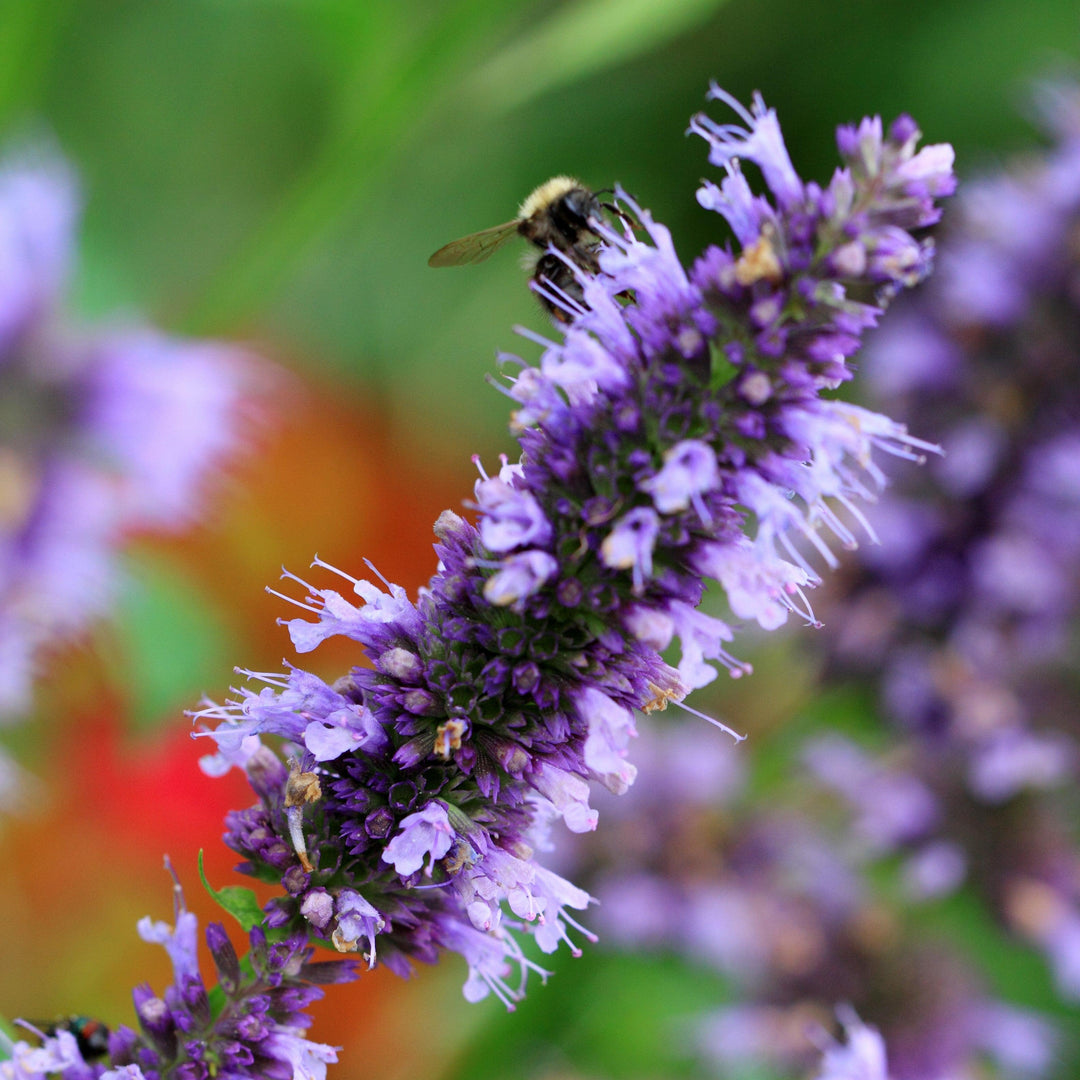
point(239, 902)
point(578, 40)
point(171, 642)
point(618, 1015)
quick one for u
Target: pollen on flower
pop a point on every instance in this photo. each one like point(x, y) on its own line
point(758, 262)
point(342, 943)
point(661, 695)
point(448, 738)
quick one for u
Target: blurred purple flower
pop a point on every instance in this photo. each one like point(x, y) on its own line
point(891, 807)
point(966, 616)
point(101, 432)
point(783, 895)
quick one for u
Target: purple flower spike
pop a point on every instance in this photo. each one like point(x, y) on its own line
point(672, 430)
point(257, 1031)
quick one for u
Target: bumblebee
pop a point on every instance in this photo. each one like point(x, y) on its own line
point(562, 214)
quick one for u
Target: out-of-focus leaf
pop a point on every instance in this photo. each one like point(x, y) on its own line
point(1015, 971)
point(172, 641)
point(578, 40)
point(374, 118)
point(99, 286)
point(612, 1014)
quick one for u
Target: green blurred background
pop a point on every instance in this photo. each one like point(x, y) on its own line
point(277, 172)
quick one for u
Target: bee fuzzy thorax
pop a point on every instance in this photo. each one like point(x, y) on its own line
point(562, 214)
point(550, 191)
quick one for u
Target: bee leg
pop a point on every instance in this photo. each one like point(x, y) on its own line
point(558, 289)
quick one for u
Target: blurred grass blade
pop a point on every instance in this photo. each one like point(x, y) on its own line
point(581, 39)
point(375, 123)
point(172, 641)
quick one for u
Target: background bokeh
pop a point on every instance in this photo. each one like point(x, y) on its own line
point(277, 172)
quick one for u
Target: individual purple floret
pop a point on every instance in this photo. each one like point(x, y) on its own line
point(101, 432)
point(250, 1025)
point(675, 408)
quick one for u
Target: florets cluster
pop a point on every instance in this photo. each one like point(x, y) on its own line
point(250, 1025)
point(675, 433)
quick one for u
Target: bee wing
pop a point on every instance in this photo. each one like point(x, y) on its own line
point(475, 247)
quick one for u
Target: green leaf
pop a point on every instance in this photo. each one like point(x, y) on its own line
point(723, 370)
point(28, 35)
point(239, 902)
